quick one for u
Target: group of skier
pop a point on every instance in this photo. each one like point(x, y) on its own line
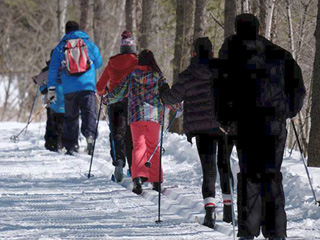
point(242, 99)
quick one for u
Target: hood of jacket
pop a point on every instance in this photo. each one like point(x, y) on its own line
point(122, 62)
point(75, 35)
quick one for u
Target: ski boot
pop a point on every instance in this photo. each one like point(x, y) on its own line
point(227, 213)
point(156, 186)
point(137, 186)
point(90, 141)
point(118, 171)
point(210, 217)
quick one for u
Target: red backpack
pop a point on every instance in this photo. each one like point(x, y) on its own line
point(76, 57)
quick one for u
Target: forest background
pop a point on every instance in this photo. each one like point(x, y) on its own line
point(30, 29)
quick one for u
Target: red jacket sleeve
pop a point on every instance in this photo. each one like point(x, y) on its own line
point(103, 81)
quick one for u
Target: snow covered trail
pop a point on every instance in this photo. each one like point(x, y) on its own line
point(45, 195)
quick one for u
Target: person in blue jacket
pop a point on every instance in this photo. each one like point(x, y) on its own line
point(78, 90)
point(55, 117)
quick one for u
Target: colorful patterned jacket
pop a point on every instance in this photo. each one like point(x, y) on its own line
point(141, 87)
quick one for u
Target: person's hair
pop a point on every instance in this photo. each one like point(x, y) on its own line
point(71, 26)
point(146, 58)
point(203, 48)
point(247, 25)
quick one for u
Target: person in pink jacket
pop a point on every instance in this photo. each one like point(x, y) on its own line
point(145, 112)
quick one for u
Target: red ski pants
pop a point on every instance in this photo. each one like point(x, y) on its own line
point(145, 137)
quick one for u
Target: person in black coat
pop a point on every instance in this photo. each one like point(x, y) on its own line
point(263, 87)
point(193, 86)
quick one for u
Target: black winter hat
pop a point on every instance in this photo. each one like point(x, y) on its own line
point(71, 26)
point(247, 26)
point(203, 47)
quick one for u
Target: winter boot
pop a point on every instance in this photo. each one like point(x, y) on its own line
point(227, 213)
point(210, 217)
point(137, 186)
point(118, 171)
point(90, 141)
point(156, 186)
point(76, 148)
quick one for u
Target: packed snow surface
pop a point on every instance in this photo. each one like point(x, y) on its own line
point(46, 195)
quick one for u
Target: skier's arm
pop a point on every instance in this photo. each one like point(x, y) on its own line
point(54, 66)
point(177, 92)
point(97, 59)
point(103, 81)
point(120, 92)
point(294, 86)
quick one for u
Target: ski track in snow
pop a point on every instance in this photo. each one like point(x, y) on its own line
point(45, 195)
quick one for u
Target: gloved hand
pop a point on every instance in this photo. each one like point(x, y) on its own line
point(52, 94)
point(105, 100)
point(163, 87)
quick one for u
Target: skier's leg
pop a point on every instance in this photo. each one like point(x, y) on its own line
point(138, 169)
point(207, 153)
point(152, 140)
point(275, 221)
point(71, 122)
point(224, 179)
point(249, 205)
point(87, 103)
point(119, 128)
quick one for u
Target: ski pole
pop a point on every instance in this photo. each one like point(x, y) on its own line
point(161, 141)
point(33, 105)
point(304, 163)
point(148, 163)
point(95, 139)
point(230, 181)
point(15, 138)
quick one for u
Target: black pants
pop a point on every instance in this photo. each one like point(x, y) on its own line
point(121, 133)
point(84, 102)
point(54, 130)
point(261, 199)
point(206, 145)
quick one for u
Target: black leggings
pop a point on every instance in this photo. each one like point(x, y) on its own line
point(206, 145)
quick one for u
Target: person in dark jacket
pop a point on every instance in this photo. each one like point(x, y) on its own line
point(264, 87)
point(119, 66)
point(193, 86)
point(78, 90)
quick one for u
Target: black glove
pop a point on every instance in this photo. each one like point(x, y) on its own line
point(163, 87)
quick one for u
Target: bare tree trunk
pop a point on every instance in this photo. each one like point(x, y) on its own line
point(98, 11)
point(269, 18)
point(314, 141)
point(302, 27)
point(230, 12)
point(181, 44)
point(146, 26)
point(84, 6)
point(245, 6)
point(6, 98)
point(62, 10)
point(290, 36)
point(129, 14)
point(200, 19)
point(263, 16)
point(254, 7)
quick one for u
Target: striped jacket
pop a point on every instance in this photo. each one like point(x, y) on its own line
point(142, 89)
